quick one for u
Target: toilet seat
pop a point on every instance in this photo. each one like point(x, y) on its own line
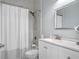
point(32, 53)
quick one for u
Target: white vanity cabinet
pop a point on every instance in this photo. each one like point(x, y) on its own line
point(52, 51)
point(47, 51)
point(68, 54)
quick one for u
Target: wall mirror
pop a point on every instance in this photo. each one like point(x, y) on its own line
point(67, 17)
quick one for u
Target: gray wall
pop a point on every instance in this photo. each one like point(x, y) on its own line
point(47, 17)
point(37, 9)
point(31, 29)
point(43, 23)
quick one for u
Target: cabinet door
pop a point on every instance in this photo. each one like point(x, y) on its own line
point(68, 54)
point(52, 51)
point(72, 54)
point(42, 50)
point(48, 51)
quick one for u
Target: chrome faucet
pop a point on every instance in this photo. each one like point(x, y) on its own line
point(57, 36)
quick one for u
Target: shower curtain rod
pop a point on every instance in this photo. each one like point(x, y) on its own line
point(30, 11)
point(15, 5)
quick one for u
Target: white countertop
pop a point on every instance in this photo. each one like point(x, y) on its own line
point(64, 43)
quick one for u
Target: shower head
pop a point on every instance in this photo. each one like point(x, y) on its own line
point(31, 12)
point(35, 12)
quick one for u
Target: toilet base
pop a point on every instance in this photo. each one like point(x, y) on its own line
point(32, 54)
point(31, 57)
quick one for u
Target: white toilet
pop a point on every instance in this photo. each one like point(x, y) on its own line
point(32, 54)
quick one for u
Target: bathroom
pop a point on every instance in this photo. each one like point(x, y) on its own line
point(30, 29)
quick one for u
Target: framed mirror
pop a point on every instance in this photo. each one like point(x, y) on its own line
point(67, 17)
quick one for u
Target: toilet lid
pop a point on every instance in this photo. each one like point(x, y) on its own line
point(32, 52)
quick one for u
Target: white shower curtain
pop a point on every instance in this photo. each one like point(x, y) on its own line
point(14, 31)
